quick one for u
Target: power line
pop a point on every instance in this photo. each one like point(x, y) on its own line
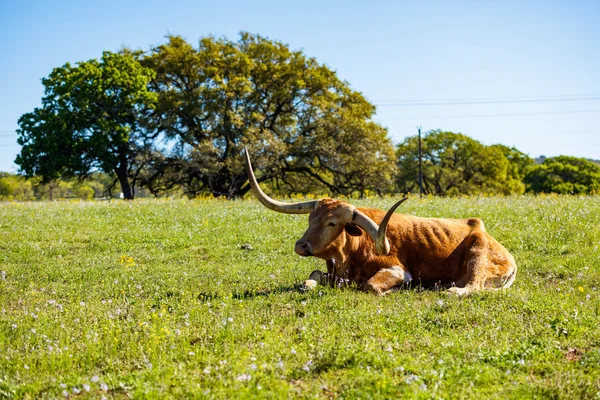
point(466, 102)
point(488, 115)
point(491, 98)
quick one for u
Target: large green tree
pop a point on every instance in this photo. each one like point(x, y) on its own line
point(306, 129)
point(89, 120)
point(454, 163)
point(564, 175)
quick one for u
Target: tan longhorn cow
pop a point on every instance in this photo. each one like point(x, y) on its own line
point(379, 251)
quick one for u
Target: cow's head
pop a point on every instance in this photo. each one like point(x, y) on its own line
point(328, 219)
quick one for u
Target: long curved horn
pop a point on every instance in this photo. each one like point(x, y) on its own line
point(381, 241)
point(304, 207)
point(382, 247)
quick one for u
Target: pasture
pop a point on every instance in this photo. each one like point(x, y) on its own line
point(200, 299)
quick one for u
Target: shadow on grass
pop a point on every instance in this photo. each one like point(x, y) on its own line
point(249, 294)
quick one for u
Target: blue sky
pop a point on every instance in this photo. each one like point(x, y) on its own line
point(400, 52)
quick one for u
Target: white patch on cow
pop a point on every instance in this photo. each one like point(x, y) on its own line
point(401, 273)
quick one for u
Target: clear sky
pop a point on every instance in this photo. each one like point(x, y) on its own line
point(526, 73)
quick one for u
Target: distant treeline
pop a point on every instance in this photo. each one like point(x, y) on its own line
point(453, 164)
point(96, 186)
point(174, 120)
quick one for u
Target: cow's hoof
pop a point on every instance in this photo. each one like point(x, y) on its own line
point(458, 291)
point(317, 276)
point(309, 284)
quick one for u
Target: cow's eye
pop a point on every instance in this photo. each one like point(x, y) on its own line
point(331, 224)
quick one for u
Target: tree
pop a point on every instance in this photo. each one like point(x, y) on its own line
point(518, 163)
point(89, 121)
point(564, 175)
point(455, 164)
point(305, 128)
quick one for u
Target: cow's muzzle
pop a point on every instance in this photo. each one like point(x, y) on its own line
point(303, 248)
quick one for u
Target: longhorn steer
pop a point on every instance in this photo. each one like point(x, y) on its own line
point(396, 249)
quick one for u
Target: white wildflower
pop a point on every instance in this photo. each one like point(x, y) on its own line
point(244, 377)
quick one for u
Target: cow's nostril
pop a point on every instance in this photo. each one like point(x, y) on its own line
point(303, 245)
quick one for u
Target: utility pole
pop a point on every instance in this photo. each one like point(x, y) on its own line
point(420, 166)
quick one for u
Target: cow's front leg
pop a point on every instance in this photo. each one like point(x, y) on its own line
point(316, 278)
point(385, 279)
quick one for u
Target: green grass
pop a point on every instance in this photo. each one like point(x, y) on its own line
point(190, 313)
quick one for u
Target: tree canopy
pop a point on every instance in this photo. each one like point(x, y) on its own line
point(564, 175)
point(306, 129)
point(454, 163)
point(89, 120)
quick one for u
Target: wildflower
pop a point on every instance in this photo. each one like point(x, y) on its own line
point(63, 385)
point(293, 351)
point(206, 370)
point(230, 319)
point(33, 330)
point(104, 387)
point(253, 367)
point(95, 379)
point(86, 387)
point(440, 302)
point(244, 377)
point(581, 289)
point(280, 364)
point(76, 390)
point(14, 326)
point(191, 353)
point(82, 304)
point(411, 378)
point(26, 366)
point(65, 393)
point(306, 367)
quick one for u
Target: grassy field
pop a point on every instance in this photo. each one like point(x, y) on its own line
point(200, 299)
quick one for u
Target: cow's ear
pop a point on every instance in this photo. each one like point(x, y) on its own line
point(353, 230)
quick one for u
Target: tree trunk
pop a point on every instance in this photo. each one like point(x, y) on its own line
point(125, 187)
point(124, 181)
